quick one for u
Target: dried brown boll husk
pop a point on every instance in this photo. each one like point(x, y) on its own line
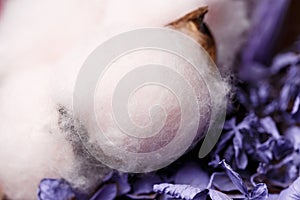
point(193, 24)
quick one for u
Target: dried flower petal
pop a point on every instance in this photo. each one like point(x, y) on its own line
point(259, 192)
point(282, 148)
point(177, 191)
point(107, 192)
point(144, 184)
point(192, 174)
point(234, 177)
point(121, 180)
point(53, 189)
point(216, 195)
point(223, 183)
point(283, 60)
point(291, 193)
point(263, 35)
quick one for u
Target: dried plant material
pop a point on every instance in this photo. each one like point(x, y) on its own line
point(193, 25)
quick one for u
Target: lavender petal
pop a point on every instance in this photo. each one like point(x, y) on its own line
point(259, 192)
point(107, 192)
point(235, 178)
point(193, 175)
point(177, 191)
point(292, 192)
point(216, 195)
point(268, 18)
point(54, 189)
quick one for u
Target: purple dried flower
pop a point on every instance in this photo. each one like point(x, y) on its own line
point(121, 180)
point(178, 191)
point(268, 18)
point(293, 133)
point(282, 148)
point(107, 192)
point(53, 189)
point(292, 192)
point(193, 175)
point(202, 195)
point(270, 127)
point(114, 185)
point(222, 182)
point(144, 184)
point(296, 109)
point(259, 192)
point(241, 158)
point(187, 192)
point(283, 60)
point(216, 195)
point(235, 178)
point(142, 196)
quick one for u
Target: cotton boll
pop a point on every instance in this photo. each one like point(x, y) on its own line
point(43, 45)
point(167, 121)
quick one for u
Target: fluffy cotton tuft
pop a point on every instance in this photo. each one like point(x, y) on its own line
point(43, 45)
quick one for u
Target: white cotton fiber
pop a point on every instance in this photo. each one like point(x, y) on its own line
point(31, 146)
point(43, 45)
point(229, 23)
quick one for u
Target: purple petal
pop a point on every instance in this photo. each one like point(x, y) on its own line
point(263, 151)
point(107, 192)
point(108, 176)
point(223, 141)
point(283, 173)
point(240, 155)
point(284, 60)
point(235, 178)
point(259, 192)
point(296, 105)
point(177, 191)
point(293, 133)
point(216, 195)
point(284, 97)
point(268, 18)
point(296, 109)
point(270, 126)
point(54, 189)
point(215, 161)
point(292, 192)
point(193, 175)
point(230, 124)
point(252, 71)
point(248, 121)
point(273, 197)
point(144, 185)
point(122, 182)
point(142, 196)
point(202, 195)
point(282, 148)
point(223, 183)
point(290, 89)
